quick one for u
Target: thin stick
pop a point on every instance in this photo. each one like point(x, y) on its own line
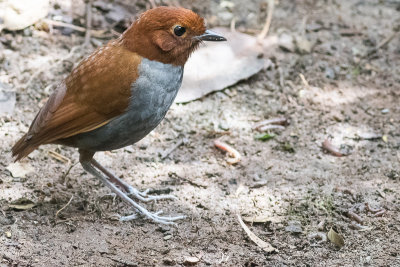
point(178, 144)
point(63, 24)
point(274, 121)
point(381, 44)
point(152, 3)
point(94, 33)
point(230, 150)
point(66, 205)
point(355, 217)
point(233, 25)
point(88, 22)
point(267, 247)
point(265, 30)
point(386, 41)
point(328, 146)
point(305, 82)
point(62, 179)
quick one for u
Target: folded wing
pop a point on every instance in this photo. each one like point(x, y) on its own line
point(96, 91)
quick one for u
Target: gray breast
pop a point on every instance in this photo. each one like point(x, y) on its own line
point(152, 95)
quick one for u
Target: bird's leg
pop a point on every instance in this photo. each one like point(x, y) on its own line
point(130, 190)
point(86, 160)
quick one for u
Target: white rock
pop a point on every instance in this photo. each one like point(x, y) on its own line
point(19, 14)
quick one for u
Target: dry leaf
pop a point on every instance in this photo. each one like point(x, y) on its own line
point(262, 244)
point(335, 238)
point(19, 169)
point(218, 65)
point(22, 204)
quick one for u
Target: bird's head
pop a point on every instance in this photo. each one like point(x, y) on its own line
point(167, 34)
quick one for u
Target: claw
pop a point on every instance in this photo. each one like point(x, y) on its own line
point(142, 196)
point(114, 183)
point(154, 217)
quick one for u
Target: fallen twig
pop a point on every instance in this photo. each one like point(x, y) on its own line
point(371, 209)
point(376, 212)
point(94, 33)
point(355, 217)
point(274, 123)
point(88, 22)
point(327, 145)
point(66, 205)
point(233, 25)
point(187, 180)
point(270, 127)
point(380, 45)
point(268, 20)
point(153, 3)
point(305, 82)
point(170, 150)
point(62, 179)
point(59, 157)
point(356, 226)
point(259, 242)
point(233, 153)
point(380, 213)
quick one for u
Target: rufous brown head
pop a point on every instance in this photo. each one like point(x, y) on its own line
point(167, 34)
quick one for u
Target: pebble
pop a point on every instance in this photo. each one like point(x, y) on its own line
point(329, 73)
point(190, 261)
point(167, 237)
point(294, 227)
point(8, 234)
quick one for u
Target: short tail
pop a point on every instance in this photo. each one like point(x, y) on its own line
point(22, 148)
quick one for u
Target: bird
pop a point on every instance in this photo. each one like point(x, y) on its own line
point(117, 95)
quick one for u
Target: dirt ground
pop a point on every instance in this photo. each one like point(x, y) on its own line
point(296, 190)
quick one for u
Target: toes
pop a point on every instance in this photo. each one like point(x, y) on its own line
point(127, 218)
point(154, 217)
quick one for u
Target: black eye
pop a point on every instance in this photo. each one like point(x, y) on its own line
point(179, 30)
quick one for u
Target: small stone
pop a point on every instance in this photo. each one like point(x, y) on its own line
point(7, 234)
point(385, 111)
point(169, 262)
point(294, 227)
point(304, 46)
point(163, 228)
point(190, 261)
point(286, 42)
point(368, 259)
point(167, 237)
point(223, 126)
point(329, 73)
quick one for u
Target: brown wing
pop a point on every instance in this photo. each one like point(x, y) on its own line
point(96, 91)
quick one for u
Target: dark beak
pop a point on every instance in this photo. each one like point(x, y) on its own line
point(211, 36)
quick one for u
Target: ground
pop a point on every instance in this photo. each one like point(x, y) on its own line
point(298, 191)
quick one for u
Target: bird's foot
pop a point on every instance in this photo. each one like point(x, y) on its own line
point(126, 191)
point(153, 216)
point(143, 195)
